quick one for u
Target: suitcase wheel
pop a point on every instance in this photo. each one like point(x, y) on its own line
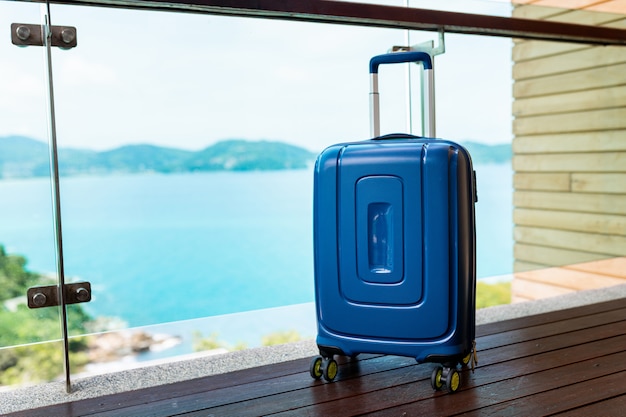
point(316, 367)
point(453, 380)
point(435, 378)
point(330, 369)
point(444, 376)
point(324, 367)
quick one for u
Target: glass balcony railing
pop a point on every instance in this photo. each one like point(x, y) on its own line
point(185, 152)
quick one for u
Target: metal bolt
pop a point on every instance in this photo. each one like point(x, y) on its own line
point(39, 299)
point(68, 35)
point(82, 294)
point(22, 32)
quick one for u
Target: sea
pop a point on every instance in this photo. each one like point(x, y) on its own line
point(161, 248)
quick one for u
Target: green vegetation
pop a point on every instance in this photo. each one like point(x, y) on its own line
point(25, 157)
point(279, 338)
point(14, 277)
point(20, 325)
point(488, 295)
point(201, 343)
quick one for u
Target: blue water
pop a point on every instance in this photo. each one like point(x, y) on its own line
point(161, 248)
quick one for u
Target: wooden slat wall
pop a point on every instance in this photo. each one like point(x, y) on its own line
point(569, 156)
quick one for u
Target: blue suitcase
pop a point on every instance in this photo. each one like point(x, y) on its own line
point(394, 247)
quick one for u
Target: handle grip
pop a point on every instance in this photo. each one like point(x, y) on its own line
point(399, 58)
point(428, 85)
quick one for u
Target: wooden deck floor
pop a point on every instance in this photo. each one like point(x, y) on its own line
point(550, 282)
point(570, 362)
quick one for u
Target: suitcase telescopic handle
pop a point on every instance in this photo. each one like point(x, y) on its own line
point(399, 58)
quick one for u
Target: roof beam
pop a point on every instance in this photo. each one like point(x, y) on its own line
point(361, 14)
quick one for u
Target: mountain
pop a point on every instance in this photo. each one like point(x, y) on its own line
point(25, 157)
point(241, 155)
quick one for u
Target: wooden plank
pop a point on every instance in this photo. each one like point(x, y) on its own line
point(604, 141)
point(583, 121)
point(571, 162)
point(408, 399)
point(345, 397)
point(517, 299)
point(536, 12)
point(618, 24)
point(579, 202)
point(602, 98)
point(167, 394)
point(578, 276)
point(551, 317)
point(609, 224)
point(554, 336)
point(541, 255)
point(106, 404)
point(599, 183)
point(562, 399)
point(555, 330)
point(533, 290)
point(613, 6)
point(525, 379)
point(589, 17)
point(294, 402)
point(239, 396)
point(569, 278)
point(609, 245)
point(521, 266)
point(569, 4)
point(541, 181)
point(615, 267)
point(549, 337)
point(596, 77)
point(574, 61)
point(527, 50)
point(612, 407)
point(531, 49)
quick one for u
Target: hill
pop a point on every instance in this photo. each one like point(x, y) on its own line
point(25, 157)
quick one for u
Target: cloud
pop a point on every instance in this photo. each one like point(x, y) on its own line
point(189, 80)
point(75, 71)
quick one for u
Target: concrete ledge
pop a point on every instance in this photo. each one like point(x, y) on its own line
point(562, 302)
point(200, 365)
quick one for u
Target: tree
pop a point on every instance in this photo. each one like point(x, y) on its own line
point(14, 278)
point(23, 326)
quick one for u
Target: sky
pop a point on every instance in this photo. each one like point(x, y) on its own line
point(187, 81)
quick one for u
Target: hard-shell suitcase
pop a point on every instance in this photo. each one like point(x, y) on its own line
point(394, 248)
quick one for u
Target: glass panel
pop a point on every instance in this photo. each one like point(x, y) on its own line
point(169, 221)
point(174, 209)
point(186, 152)
point(30, 350)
